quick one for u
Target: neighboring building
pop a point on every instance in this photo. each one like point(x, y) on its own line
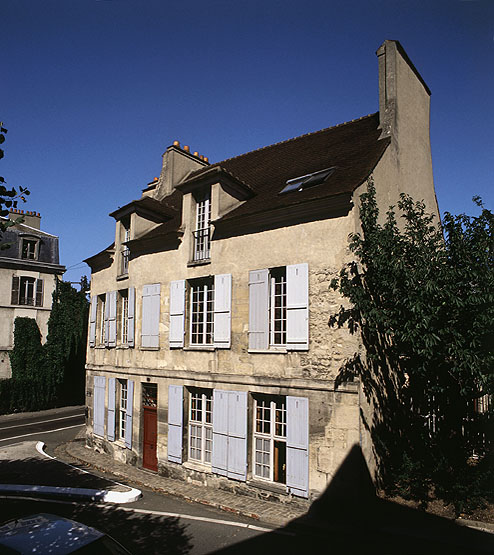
point(29, 269)
point(210, 357)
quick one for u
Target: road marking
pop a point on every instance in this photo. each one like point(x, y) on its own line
point(39, 433)
point(145, 511)
point(40, 422)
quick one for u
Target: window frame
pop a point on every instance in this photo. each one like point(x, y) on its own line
point(277, 307)
point(201, 249)
point(26, 299)
point(274, 406)
point(201, 312)
point(200, 402)
point(122, 408)
point(32, 253)
point(101, 327)
point(123, 316)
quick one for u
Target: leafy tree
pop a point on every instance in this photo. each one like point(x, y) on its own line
point(8, 197)
point(422, 300)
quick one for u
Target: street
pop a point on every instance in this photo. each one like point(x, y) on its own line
point(156, 523)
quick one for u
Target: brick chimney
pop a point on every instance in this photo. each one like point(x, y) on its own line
point(32, 219)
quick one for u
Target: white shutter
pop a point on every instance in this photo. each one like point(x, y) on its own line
point(297, 445)
point(150, 315)
point(131, 317)
point(128, 417)
point(106, 322)
point(110, 422)
point(219, 457)
point(177, 313)
point(92, 321)
point(237, 435)
point(297, 307)
point(112, 319)
point(222, 310)
point(259, 309)
point(99, 405)
point(175, 422)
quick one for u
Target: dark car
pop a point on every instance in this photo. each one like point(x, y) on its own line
point(45, 533)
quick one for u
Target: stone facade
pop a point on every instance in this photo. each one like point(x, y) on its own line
point(28, 272)
point(289, 425)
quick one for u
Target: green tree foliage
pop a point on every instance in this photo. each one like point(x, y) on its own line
point(422, 300)
point(52, 374)
point(8, 197)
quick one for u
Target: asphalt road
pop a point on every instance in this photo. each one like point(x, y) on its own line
point(156, 523)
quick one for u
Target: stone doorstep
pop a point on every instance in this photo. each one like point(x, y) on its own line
point(265, 511)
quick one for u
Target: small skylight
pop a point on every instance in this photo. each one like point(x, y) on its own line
point(306, 181)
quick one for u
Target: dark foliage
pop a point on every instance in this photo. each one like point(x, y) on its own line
point(422, 300)
point(53, 374)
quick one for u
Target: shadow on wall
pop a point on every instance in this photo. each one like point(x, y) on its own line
point(350, 518)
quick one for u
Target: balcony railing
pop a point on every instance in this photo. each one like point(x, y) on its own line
point(202, 244)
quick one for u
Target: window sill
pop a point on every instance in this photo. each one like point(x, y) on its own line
point(123, 347)
point(122, 277)
point(149, 348)
point(209, 348)
point(274, 487)
point(199, 467)
point(198, 262)
point(273, 351)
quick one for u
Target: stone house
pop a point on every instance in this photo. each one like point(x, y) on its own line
point(29, 269)
point(210, 358)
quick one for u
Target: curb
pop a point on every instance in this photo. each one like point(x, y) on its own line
point(103, 495)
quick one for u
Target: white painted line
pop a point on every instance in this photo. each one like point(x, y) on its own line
point(157, 513)
point(40, 422)
point(39, 433)
point(109, 496)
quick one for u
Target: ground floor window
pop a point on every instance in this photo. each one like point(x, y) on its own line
point(122, 408)
point(269, 439)
point(201, 425)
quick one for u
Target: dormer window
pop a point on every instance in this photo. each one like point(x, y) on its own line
point(29, 249)
point(306, 181)
point(202, 238)
point(124, 269)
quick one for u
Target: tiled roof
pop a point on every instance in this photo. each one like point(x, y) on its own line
point(353, 148)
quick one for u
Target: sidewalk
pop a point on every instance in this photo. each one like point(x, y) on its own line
point(268, 512)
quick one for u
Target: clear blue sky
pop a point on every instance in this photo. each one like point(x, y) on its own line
point(93, 91)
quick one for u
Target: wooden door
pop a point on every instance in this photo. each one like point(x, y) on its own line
point(150, 419)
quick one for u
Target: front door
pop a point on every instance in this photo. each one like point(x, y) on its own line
point(149, 406)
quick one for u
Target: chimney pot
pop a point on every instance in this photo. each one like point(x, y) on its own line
point(196, 153)
point(206, 159)
point(186, 148)
point(176, 143)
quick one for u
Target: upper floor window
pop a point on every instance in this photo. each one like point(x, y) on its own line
point(102, 328)
point(202, 312)
point(29, 249)
point(124, 268)
point(124, 316)
point(202, 239)
point(277, 306)
point(27, 291)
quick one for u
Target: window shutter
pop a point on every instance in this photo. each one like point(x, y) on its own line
point(297, 307)
point(219, 457)
point(130, 317)
point(15, 290)
point(92, 321)
point(222, 310)
point(175, 422)
point(39, 292)
point(297, 445)
point(177, 313)
point(106, 321)
point(112, 319)
point(128, 417)
point(150, 316)
point(99, 405)
point(110, 422)
point(237, 435)
point(259, 309)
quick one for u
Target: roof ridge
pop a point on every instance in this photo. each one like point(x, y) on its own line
point(294, 138)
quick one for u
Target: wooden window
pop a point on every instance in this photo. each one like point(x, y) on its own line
point(269, 449)
point(124, 316)
point(122, 409)
point(101, 319)
point(27, 291)
point(202, 240)
point(175, 422)
point(125, 254)
point(201, 425)
point(202, 312)
point(29, 249)
point(277, 306)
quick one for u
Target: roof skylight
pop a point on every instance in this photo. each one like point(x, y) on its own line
point(305, 181)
